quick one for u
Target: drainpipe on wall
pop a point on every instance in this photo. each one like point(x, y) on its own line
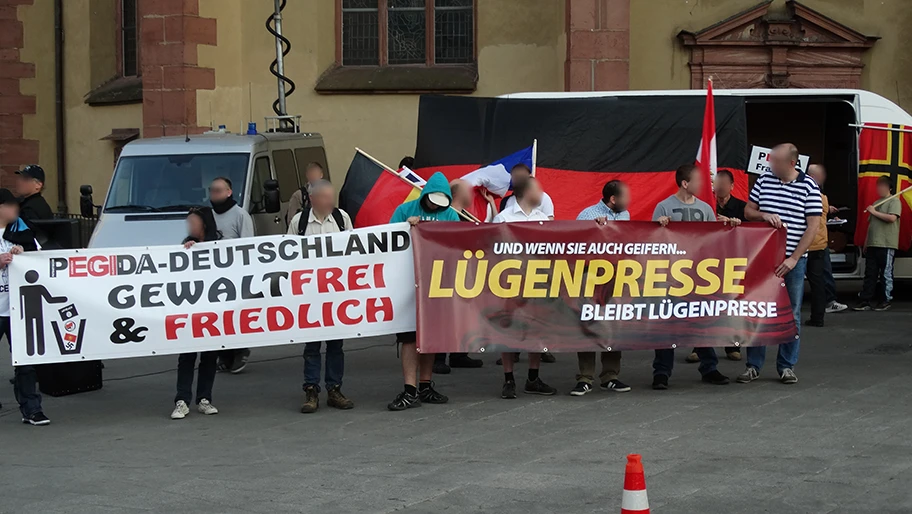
point(59, 108)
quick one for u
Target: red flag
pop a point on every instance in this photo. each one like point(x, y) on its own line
point(706, 155)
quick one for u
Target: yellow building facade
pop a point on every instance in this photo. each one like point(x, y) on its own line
point(80, 78)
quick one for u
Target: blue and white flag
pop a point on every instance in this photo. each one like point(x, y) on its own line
point(495, 177)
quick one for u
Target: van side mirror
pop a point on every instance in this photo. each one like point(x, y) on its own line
point(271, 201)
point(86, 204)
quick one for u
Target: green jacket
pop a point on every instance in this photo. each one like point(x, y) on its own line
point(437, 184)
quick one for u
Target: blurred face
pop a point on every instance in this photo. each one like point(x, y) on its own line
point(534, 193)
point(313, 174)
point(195, 226)
point(883, 190)
point(817, 173)
point(622, 200)
point(323, 200)
point(9, 212)
point(695, 183)
point(462, 193)
point(781, 162)
point(722, 185)
point(27, 186)
point(519, 175)
point(219, 191)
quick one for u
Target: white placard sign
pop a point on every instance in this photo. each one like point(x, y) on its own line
point(759, 161)
point(73, 305)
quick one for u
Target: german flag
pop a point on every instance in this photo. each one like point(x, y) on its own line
point(371, 193)
point(884, 150)
point(583, 142)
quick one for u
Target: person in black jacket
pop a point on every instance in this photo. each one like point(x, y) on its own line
point(200, 228)
point(32, 206)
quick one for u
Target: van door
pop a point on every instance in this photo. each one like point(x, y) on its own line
point(264, 223)
point(286, 174)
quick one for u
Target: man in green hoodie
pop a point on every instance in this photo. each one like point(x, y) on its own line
point(432, 205)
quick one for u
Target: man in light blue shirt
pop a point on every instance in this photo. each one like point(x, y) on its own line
point(612, 207)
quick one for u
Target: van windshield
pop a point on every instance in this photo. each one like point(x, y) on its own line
point(172, 183)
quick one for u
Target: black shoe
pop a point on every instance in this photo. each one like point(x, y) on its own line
point(863, 306)
point(441, 368)
point(813, 323)
point(660, 382)
point(882, 306)
point(429, 395)
point(547, 358)
point(404, 401)
point(240, 361)
point(37, 419)
point(716, 378)
point(464, 361)
point(616, 386)
point(538, 387)
point(581, 389)
point(509, 390)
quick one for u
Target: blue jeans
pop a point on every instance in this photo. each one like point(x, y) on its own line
point(788, 352)
point(25, 378)
point(335, 364)
point(663, 362)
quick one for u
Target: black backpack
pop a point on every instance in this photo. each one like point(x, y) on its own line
point(336, 216)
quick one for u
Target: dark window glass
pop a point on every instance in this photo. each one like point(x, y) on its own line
point(453, 32)
point(360, 33)
point(261, 174)
point(406, 32)
point(286, 173)
point(128, 35)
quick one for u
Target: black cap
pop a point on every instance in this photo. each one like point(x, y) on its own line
point(32, 171)
point(7, 196)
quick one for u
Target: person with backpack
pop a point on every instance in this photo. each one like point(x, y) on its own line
point(322, 217)
point(300, 199)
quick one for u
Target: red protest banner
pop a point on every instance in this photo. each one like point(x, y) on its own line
point(576, 286)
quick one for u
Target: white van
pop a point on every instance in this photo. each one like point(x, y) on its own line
point(824, 124)
point(157, 180)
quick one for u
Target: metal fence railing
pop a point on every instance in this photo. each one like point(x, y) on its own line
point(85, 227)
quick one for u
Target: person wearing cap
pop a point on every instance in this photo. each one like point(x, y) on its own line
point(432, 205)
point(16, 237)
point(32, 206)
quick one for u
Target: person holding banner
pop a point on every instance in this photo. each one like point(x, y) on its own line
point(528, 197)
point(233, 223)
point(789, 198)
point(612, 207)
point(322, 217)
point(17, 237)
point(201, 228)
point(432, 205)
point(685, 206)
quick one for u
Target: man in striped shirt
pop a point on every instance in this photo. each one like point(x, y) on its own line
point(788, 198)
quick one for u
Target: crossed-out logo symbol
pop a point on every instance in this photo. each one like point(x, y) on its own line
point(31, 303)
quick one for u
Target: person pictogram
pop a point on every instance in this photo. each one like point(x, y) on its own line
point(31, 304)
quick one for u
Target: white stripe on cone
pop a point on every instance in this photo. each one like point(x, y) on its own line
point(634, 501)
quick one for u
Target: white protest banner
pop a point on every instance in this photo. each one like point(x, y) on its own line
point(72, 305)
point(759, 161)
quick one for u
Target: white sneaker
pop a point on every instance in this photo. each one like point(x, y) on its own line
point(749, 375)
point(206, 408)
point(180, 410)
point(836, 307)
point(788, 376)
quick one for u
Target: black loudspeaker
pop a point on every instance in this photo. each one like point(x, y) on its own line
point(69, 378)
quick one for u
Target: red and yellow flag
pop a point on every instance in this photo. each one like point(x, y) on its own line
point(884, 150)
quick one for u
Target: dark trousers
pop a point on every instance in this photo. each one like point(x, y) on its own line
point(335, 364)
point(204, 380)
point(663, 362)
point(25, 378)
point(828, 277)
point(442, 357)
point(878, 277)
point(816, 275)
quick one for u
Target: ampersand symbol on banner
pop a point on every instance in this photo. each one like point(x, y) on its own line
point(124, 332)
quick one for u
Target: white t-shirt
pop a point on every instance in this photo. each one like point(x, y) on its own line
point(547, 206)
point(515, 213)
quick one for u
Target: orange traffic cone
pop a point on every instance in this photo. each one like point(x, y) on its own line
point(634, 500)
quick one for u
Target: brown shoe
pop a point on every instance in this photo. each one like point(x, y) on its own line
point(311, 400)
point(335, 398)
